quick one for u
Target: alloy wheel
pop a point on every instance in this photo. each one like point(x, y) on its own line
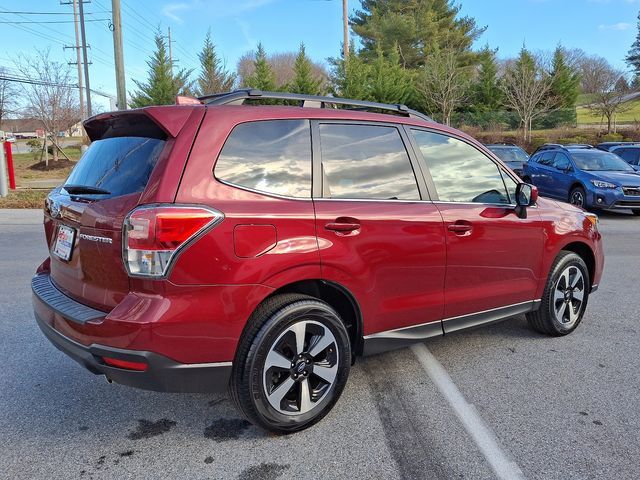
point(568, 296)
point(300, 368)
point(577, 198)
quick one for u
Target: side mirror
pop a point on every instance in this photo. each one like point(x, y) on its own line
point(526, 196)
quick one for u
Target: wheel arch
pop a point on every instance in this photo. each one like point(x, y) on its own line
point(339, 298)
point(573, 186)
point(584, 251)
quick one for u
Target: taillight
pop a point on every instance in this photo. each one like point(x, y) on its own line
point(126, 364)
point(153, 235)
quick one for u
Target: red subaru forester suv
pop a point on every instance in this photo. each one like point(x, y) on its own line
point(218, 244)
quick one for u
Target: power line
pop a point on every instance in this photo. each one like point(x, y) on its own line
point(31, 81)
point(58, 21)
point(36, 13)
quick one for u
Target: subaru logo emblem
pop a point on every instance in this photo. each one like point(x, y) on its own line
point(300, 367)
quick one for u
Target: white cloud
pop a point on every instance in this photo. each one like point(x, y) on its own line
point(616, 26)
point(171, 11)
point(225, 9)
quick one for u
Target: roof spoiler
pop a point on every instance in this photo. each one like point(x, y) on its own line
point(154, 122)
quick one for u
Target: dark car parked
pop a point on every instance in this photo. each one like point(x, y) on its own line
point(512, 155)
point(608, 146)
point(217, 245)
point(588, 178)
point(629, 153)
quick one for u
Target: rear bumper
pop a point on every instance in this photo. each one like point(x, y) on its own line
point(162, 373)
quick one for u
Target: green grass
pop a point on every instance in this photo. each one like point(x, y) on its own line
point(630, 114)
point(24, 199)
point(585, 99)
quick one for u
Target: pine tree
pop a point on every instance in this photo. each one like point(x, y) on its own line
point(486, 94)
point(262, 77)
point(389, 81)
point(163, 85)
point(418, 28)
point(214, 78)
point(633, 57)
point(350, 77)
point(304, 80)
point(565, 83)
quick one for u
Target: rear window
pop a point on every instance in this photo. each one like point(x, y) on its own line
point(271, 156)
point(120, 165)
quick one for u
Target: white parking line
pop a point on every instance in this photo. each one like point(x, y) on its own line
point(503, 467)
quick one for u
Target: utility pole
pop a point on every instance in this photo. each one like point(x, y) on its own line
point(345, 29)
point(170, 50)
point(78, 58)
point(84, 56)
point(118, 55)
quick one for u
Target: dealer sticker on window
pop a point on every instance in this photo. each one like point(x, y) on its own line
point(64, 242)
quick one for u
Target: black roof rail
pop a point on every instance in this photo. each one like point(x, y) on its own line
point(549, 146)
point(238, 97)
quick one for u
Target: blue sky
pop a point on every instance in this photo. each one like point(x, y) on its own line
point(603, 27)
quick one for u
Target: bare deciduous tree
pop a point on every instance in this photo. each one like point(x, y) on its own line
point(49, 96)
point(592, 68)
point(609, 96)
point(527, 88)
point(443, 84)
point(8, 96)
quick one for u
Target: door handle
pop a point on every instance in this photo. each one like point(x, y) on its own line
point(460, 228)
point(338, 226)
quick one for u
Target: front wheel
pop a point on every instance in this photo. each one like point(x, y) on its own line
point(565, 296)
point(577, 197)
point(292, 363)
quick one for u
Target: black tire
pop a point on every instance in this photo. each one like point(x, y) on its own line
point(636, 212)
point(578, 197)
point(545, 319)
point(269, 326)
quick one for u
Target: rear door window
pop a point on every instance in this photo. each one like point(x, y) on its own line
point(119, 165)
point(271, 156)
point(547, 158)
point(366, 162)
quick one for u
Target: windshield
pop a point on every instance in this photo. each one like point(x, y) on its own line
point(510, 154)
point(115, 166)
point(597, 161)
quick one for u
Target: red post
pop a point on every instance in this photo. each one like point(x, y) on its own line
point(12, 176)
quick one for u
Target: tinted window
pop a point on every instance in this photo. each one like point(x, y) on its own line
point(272, 156)
point(366, 161)
point(120, 165)
point(547, 158)
point(630, 155)
point(561, 162)
point(460, 172)
point(510, 154)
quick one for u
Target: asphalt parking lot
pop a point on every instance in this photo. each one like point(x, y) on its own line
point(557, 408)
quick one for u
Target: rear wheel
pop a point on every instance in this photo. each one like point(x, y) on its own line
point(577, 197)
point(565, 296)
point(292, 363)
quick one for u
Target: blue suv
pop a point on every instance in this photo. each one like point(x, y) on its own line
point(588, 178)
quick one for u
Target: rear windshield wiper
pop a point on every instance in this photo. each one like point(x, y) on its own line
point(85, 189)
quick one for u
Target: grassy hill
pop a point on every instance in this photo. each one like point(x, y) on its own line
point(630, 114)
